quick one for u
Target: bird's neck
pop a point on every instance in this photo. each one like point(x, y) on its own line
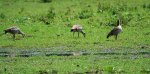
point(119, 26)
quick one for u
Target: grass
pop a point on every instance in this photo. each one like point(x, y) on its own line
point(47, 27)
point(97, 20)
point(73, 64)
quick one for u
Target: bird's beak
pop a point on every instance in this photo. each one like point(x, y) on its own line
point(5, 32)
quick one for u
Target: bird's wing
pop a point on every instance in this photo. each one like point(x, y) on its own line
point(14, 28)
point(76, 27)
point(114, 30)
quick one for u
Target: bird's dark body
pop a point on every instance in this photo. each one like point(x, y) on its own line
point(115, 31)
point(13, 31)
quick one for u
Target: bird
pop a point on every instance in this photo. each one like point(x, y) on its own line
point(116, 30)
point(14, 30)
point(77, 28)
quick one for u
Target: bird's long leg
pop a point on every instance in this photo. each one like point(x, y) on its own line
point(23, 35)
point(78, 34)
point(116, 37)
point(13, 36)
point(73, 34)
point(83, 33)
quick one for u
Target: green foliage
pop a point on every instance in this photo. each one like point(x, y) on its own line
point(21, 10)
point(49, 17)
point(110, 69)
point(101, 7)
point(21, 20)
point(85, 14)
point(146, 71)
point(2, 15)
point(42, 72)
point(146, 6)
point(51, 13)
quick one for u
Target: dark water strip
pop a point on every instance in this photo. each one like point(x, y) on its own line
point(66, 53)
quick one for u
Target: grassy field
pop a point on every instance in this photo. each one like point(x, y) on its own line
point(73, 65)
point(96, 17)
point(47, 27)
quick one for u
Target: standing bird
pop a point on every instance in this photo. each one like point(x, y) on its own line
point(115, 31)
point(77, 28)
point(14, 30)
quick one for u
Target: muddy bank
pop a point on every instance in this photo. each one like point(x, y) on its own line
point(106, 53)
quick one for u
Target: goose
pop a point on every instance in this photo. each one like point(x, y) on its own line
point(77, 28)
point(14, 30)
point(116, 30)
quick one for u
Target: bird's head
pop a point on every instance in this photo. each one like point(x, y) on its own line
point(5, 31)
point(119, 22)
point(71, 30)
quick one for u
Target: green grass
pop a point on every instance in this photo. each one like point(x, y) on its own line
point(26, 14)
point(68, 65)
point(97, 17)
